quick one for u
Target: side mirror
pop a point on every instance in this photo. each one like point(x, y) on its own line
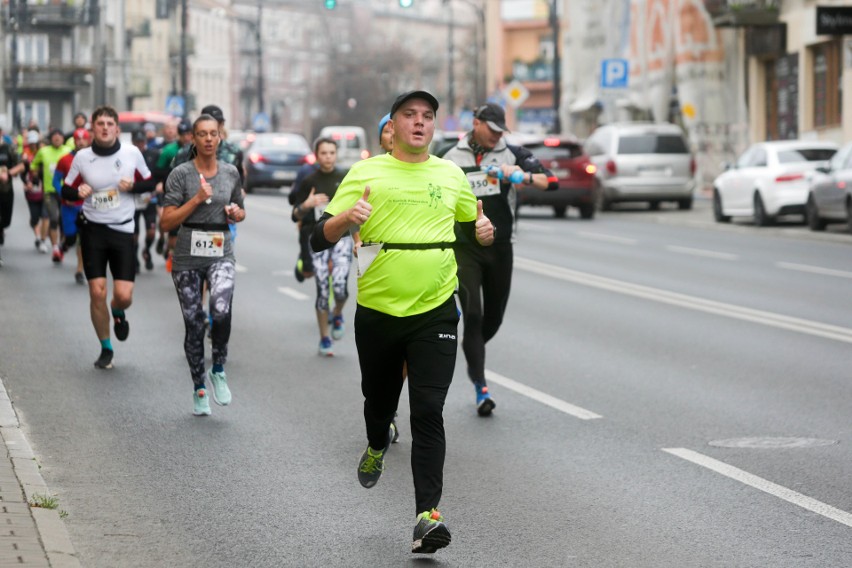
point(824, 169)
point(728, 166)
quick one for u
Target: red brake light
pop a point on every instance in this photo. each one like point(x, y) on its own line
point(610, 167)
point(255, 158)
point(551, 142)
point(692, 166)
point(336, 136)
point(365, 154)
point(309, 159)
point(790, 177)
point(591, 169)
point(350, 136)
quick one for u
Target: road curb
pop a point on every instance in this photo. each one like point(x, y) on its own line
point(52, 532)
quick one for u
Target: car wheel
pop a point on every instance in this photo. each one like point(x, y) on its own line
point(685, 204)
point(654, 205)
point(761, 219)
point(587, 211)
point(812, 215)
point(718, 215)
point(559, 211)
point(849, 213)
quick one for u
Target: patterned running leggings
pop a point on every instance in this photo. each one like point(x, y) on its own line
point(341, 259)
point(190, 288)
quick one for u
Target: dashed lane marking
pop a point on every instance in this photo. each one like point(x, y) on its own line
point(764, 485)
point(770, 319)
point(296, 295)
point(541, 397)
point(607, 238)
point(702, 252)
point(240, 268)
point(814, 269)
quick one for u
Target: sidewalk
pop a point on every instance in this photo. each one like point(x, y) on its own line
point(29, 536)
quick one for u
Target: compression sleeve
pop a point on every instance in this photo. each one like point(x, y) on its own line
point(318, 240)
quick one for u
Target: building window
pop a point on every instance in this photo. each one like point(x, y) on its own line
point(782, 97)
point(32, 49)
point(826, 83)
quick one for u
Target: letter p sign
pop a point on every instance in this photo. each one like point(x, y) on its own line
point(614, 73)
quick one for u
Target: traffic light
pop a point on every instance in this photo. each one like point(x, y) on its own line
point(406, 3)
point(330, 4)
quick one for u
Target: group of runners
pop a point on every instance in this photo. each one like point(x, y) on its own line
point(422, 231)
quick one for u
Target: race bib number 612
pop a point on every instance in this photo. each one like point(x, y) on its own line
point(207, 243)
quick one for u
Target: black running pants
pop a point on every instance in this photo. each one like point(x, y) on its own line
point(428, 343)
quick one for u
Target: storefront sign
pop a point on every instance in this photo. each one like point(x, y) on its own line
point(833, 20)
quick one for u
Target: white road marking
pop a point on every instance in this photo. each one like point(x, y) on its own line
point(607, 238)
point(541, 397)
point(240, 268)
point(702, 252)
point(770, 319)
point(814, 269)
point(296, 295)
point(764, 485)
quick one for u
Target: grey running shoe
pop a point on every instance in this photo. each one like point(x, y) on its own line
point(105, 360)
point(370, 467)
point(430, 533)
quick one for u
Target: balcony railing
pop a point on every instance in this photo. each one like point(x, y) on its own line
point(742, 13)
point(66, 14)
point(49, 77)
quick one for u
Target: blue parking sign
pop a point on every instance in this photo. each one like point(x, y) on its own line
point(175, 105)
point(614, 73)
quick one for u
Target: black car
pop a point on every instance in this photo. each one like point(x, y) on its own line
point(273, 159)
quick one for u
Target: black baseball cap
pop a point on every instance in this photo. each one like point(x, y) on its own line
point(138, 136)
point(493, 115)
point(215, 112)
point(184, 126)
point(428, 97)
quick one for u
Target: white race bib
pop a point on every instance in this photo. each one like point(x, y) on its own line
point(105, 199)
point(482, 185)
point(319, 210)
point(207, 243)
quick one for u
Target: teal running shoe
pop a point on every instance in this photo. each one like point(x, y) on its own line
point(430, 533)
point(337, 328)
point(325, 347)
point(484, 403)
point(201, 402)
point(221, 392)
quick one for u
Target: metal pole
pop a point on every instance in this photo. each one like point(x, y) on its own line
point(557, 81)
point(183, 57)
point(13, 64)
point(451, 78)
point(259, 58)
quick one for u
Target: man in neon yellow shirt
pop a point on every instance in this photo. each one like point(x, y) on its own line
point(405, 204)
point(44, 163)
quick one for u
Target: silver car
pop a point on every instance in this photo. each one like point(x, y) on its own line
point(642, 161)
point(830, 192)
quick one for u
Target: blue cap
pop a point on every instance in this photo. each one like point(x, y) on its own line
point(382, 123)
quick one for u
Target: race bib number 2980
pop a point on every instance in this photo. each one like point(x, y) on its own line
point(105, 199)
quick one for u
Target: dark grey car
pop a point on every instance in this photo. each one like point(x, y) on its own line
point(273, 159)
point(830, 193)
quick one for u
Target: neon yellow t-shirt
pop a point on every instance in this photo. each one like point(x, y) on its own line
point(412, 203)
point(46, 158)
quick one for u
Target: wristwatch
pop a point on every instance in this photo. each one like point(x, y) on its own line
point(531, 181)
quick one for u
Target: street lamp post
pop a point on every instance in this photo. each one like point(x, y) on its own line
point(557, 87)
point(184, 86)
point(13, 63)
point(259, 58)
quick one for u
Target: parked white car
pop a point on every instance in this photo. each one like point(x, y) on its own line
point(830, 196)
point(768, 180)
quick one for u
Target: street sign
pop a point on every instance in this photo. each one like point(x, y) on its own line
point(614, 73)
point(261, 122)
point(175, 105)
point(515, 93)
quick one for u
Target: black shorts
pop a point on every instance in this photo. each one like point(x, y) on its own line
point(150, 215)
point(102, 246)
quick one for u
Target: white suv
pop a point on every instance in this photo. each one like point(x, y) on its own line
point(351, 144)
point(642, 161)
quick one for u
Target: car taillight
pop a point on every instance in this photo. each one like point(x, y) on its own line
point(692, 166)
point(256, 158)
point(841, 185)
point(551, 142)
point(309, 159)
point(365, 154)
point(591, 169)
point(790, 177)
point(610, 167)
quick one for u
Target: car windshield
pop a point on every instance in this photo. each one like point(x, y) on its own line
point(652, 144)
point(289, 143)
point(563, 152)
point(805, 155)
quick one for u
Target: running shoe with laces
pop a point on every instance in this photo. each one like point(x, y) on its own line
point(80, 278)
point(337, 328)
point(42, 247)
point(121, 327)
point(221, 392)
point(149, 262)
point(201, 403)
point(57, 255)
point(325, 347)
point(105, 360)
point(484, 403)
point(372, 462)
point(430, 533)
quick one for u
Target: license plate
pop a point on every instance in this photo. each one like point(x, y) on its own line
point(562, 174)
point(284, 175)
point(655, 172)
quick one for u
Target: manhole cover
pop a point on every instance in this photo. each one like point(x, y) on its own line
point(768, 443)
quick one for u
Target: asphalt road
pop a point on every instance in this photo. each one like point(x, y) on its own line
point(670, 393)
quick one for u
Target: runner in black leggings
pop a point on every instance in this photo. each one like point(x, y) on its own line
point(203, 196)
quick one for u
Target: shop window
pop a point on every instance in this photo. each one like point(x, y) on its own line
point(827, 59)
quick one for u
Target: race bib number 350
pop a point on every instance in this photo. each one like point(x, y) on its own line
point(105, 199)
point(481, 184)
point(207, 243)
